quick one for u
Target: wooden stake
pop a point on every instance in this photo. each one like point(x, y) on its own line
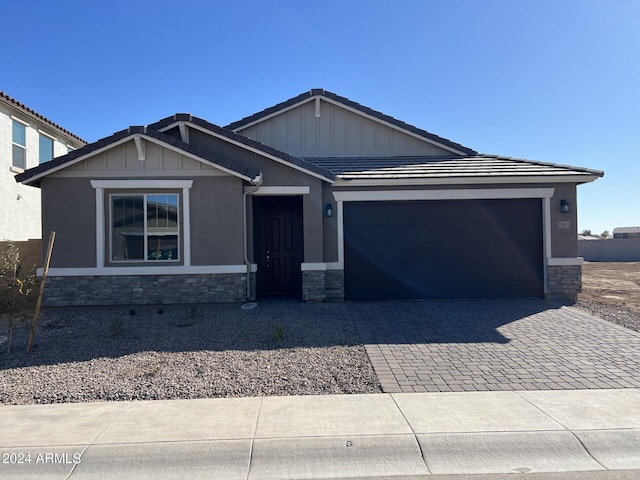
point(45, 270)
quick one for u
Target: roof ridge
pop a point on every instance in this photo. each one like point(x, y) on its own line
point(355, 105)
point(15, 103)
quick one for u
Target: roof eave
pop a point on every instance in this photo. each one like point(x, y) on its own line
point(463, 180)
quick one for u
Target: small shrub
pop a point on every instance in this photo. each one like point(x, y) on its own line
point(17, 290)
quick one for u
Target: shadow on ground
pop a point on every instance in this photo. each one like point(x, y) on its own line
point(77, 334)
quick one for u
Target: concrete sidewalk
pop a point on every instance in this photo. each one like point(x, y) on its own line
point(399, 434)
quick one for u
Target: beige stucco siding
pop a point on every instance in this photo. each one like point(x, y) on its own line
point(337, 131)
point(69, 209)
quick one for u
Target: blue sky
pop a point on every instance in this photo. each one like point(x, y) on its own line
point(555, 81)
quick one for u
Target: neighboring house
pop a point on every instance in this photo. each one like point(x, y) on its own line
point(27, 139)
point(317, 197)
point(626, 232)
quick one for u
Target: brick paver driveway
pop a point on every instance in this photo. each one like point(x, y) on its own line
point(494, 345)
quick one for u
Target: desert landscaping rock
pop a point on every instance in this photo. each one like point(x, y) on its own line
point(103, 354)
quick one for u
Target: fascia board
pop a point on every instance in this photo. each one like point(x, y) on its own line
point(248, 148)
point(465, 181)
point(81, 158)
point(276, 113)
point(195, 157)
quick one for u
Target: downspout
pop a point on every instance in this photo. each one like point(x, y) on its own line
point(256, 182)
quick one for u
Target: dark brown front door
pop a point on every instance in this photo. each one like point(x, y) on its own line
point(281, 247)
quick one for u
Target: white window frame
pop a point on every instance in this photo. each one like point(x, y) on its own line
point(24, 147)
point(134, 186)
point(146, 232)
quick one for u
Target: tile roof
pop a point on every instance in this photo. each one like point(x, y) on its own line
point(492, 166)
point(32, 113)
point(299, 162)
point(345, 101)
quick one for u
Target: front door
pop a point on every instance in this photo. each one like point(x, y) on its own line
point(280, 248)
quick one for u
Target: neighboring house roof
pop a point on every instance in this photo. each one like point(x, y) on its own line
point(12, 102)
point(169, 122)
point(332, 97)
point(491, 166)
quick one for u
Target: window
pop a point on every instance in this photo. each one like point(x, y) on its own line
point(19, 144)
point(144, 227)
point(46, 148)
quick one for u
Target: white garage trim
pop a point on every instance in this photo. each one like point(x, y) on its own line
point(544, 194)
point(452, 194)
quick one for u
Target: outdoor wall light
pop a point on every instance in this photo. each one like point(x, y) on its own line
point(328, 210)
point(564, 206)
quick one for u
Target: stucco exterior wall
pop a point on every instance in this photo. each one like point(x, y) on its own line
point(216, 221)
point(337, 131)
point(20, 212)
point(69, 209)
point(278, 175)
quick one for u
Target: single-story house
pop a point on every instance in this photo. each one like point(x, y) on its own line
point(317, 197)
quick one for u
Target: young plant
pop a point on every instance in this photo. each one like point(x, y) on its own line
point(15, 290)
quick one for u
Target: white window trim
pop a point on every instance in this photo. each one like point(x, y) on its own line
point(544, 194)
point(24, 147)
point(51, 137)
point(146, 231)
point(101, 249)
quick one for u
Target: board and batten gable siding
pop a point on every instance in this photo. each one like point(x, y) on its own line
point(122, 161)
point(337, 131)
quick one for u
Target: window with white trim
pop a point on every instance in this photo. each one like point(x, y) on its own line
point(19, 145)
point(45, 148)
point(144, 227)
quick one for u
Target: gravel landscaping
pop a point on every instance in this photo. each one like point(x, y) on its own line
point(180, 352)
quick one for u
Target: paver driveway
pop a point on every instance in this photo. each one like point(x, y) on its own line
point(495, 345)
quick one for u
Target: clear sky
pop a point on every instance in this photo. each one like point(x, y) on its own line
point(550, 80)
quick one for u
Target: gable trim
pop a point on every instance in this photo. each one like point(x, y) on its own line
point(136, 137)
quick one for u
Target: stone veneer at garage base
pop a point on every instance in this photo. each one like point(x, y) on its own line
point(564, 281)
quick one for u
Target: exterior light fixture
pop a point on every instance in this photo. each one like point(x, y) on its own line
point(328, 210)
point(564, 206)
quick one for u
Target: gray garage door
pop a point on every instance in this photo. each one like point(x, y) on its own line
point(443, 249)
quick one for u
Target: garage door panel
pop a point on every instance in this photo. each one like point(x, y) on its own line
point(443, 249)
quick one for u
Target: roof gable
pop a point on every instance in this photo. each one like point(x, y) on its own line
point(244, 142)
point(315, 99)
point(33, 175)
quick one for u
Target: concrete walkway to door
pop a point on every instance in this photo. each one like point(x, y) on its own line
point(455, 346)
